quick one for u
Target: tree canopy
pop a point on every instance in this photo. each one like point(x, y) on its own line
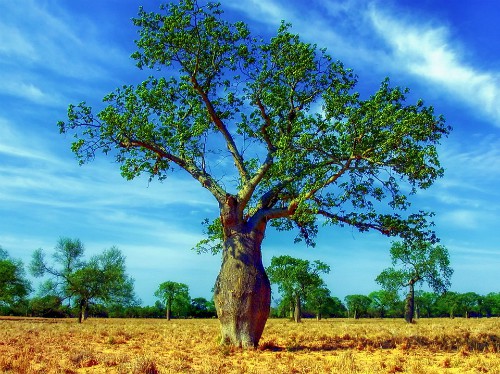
point(302, 141)
point(413, 263)
point(14, 286)
point(296, 279)
point(175, 295)
point(101, 279)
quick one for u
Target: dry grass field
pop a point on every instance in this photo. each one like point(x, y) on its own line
point(191, 346)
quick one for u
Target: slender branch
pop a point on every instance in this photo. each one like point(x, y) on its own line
point(266, 125)
point(360, 225)
point(313, 191)
point(200, 175)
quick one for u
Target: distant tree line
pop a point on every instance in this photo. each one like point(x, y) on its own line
point(100, 287)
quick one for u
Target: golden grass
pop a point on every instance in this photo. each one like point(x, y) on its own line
point(191, 346)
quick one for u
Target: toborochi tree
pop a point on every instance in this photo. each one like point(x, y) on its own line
point(414, 263)
point(303, 145)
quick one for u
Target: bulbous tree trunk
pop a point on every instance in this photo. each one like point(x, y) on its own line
point(242, 291)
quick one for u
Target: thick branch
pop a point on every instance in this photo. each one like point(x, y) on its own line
point(248, 189)
point(264, 215)
point(238, 159)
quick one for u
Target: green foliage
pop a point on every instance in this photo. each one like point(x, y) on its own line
point(175, 296)
point(101, 279)
point(296, 277)
point(417, 262)
point(303, 143)
point(297, 280)
point(383, 302)
point(320, 301)
point(357, 305)
point(14, 287)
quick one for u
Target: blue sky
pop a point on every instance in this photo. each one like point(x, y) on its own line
point(53, 53)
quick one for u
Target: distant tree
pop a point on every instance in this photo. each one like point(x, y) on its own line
point(14, 286)
point(322, 303)
point(318, 300)
point(491, 304)
point(296, 278)
point(469, 303)
point(336, 307)
point(48, 306)
point(448, 304)
point(415, 262)
point(303, 145)
point(382, 302)
point(426, 303)
point(175, 296)
point(101, 279)
point(357, 305)
point(202, 308)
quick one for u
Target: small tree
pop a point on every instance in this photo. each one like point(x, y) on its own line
point(322, 303)
point(303, 145)
point(318, 299)
point(357, 305)
point(469, 303)
point(174, 295)
point(202, 308)
point(383, 301)
point(14, 287)
point(426, 303)
point(296, 279)
point(491, 304)
point(413, 263)
point(101, 279)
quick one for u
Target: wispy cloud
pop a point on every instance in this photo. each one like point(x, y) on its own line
point(429, 52)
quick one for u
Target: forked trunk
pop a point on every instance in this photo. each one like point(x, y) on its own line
point(242, 291)
point(410, 304)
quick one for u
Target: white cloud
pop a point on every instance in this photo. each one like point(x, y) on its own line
point(14, 43)
point(429, 52)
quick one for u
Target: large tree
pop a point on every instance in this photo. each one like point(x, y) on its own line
point(416, 262)
point(101, 279)
point(296, 279)
point(303, 144)
point(175, 296)
point(14, 286)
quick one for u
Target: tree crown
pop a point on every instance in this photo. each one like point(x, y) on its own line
point(302, 143)
point(417, 262)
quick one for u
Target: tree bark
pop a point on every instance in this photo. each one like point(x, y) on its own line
point(82, 310)
point(298, 310)
point(169, 307)
point(242, 291)
point(410, 303)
